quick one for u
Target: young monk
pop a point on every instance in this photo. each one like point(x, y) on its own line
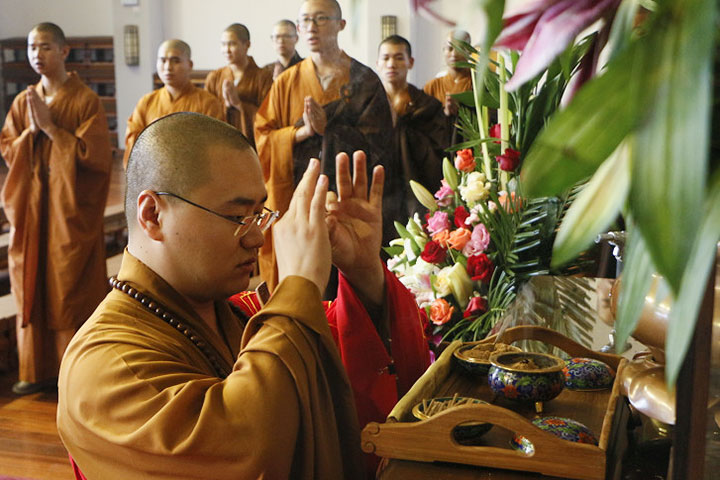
point(421, 133)
point(326, 104)
point(284, 38)
point(178, 94)
point(456, 80)
point(167, 381)
point(241, 85)
point(56, 145)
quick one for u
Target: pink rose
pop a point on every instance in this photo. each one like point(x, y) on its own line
point(465, 160)
point(438, 222)
point(479, 241)
point(445, 194)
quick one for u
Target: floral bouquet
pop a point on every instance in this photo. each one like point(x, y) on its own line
point(482, 239)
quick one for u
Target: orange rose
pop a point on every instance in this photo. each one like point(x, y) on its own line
point(513, 204)
point(441, 311)
point(465, 160)
point(441, 238)
point(459, 238)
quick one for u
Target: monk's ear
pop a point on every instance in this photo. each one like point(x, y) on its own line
point(411, 62)
point(149, 219)
point(65, 50)
point(191, 64)
point(342, 24)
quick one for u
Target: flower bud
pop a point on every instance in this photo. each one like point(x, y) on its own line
point(424, 197)
point(461, 285)
point(450, 174)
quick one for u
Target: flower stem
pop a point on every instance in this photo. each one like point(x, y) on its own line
point(482, 124)
point(504, 120)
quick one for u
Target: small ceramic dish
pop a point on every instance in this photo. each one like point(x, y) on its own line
point(475, 357)
point(463, 432)
point(588, 374)
point(564, 428)
point(526, 377)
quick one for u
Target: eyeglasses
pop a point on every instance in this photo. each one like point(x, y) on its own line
point(283, 36)
point(263, 219)
point(320, 20)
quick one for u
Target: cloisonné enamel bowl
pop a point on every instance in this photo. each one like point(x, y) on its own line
point(564, 428)
point(588, 374)
point(526, 377)
point(463, 432)
point(475, 357)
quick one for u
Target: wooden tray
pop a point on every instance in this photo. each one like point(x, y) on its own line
point(431, 440)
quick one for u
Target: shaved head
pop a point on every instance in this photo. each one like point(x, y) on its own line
point(285, 23)
point(240, 31)
point(177, 45)
point(53, 30)
point(459, 35)
point(171, 154)
point(334, 4)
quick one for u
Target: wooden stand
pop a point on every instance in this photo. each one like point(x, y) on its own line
point(604, 412)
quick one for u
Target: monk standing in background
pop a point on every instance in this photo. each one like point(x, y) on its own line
point(284, 38)
point(421, 133)
point(177, 95)
point(240, 85)
point(56, 144)
point(326, 104)
point(455, 80)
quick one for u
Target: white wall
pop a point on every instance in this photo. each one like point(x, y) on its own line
point(200, 23)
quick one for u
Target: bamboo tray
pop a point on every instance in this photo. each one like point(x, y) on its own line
point(431, 440)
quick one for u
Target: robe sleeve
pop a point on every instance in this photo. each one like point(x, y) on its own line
point(275, 145)
point(378, 379)
point(88, 146)
point(149, 411)
point(135, 125)
point(16, 140)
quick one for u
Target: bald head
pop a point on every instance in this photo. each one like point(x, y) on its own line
point(176, 44)
point(240, 31)
point(285, 23)
point(334, 5)
point(58, 36)
point(459, 35)
point(171, 154)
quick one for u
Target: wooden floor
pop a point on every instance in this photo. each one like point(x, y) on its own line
point(30, 447)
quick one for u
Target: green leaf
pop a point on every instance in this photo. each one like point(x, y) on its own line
point(635, 283)
point(686, 305)
point(621, 30)
point(670, 158)
point(594, 209)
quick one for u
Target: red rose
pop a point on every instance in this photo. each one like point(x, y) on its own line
point(477, 306)
point(480, 268)
point(460, 215)
point(433, 253)
point(509, 160)
point(495, 132)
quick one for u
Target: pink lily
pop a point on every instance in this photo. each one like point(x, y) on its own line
point(423, 7)
point(542, 29)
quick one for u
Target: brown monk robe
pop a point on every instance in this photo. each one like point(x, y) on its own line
point(421, 133)
point(326, 104)
point(240, 85)
point(177, 95)
point(284, 39)
point(56, 144)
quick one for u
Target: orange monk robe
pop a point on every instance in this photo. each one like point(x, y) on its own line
point(137, 399)
point(159, 103)
point(441, 86)
point(252, 89)
point(359, 118)
point(54, 197)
